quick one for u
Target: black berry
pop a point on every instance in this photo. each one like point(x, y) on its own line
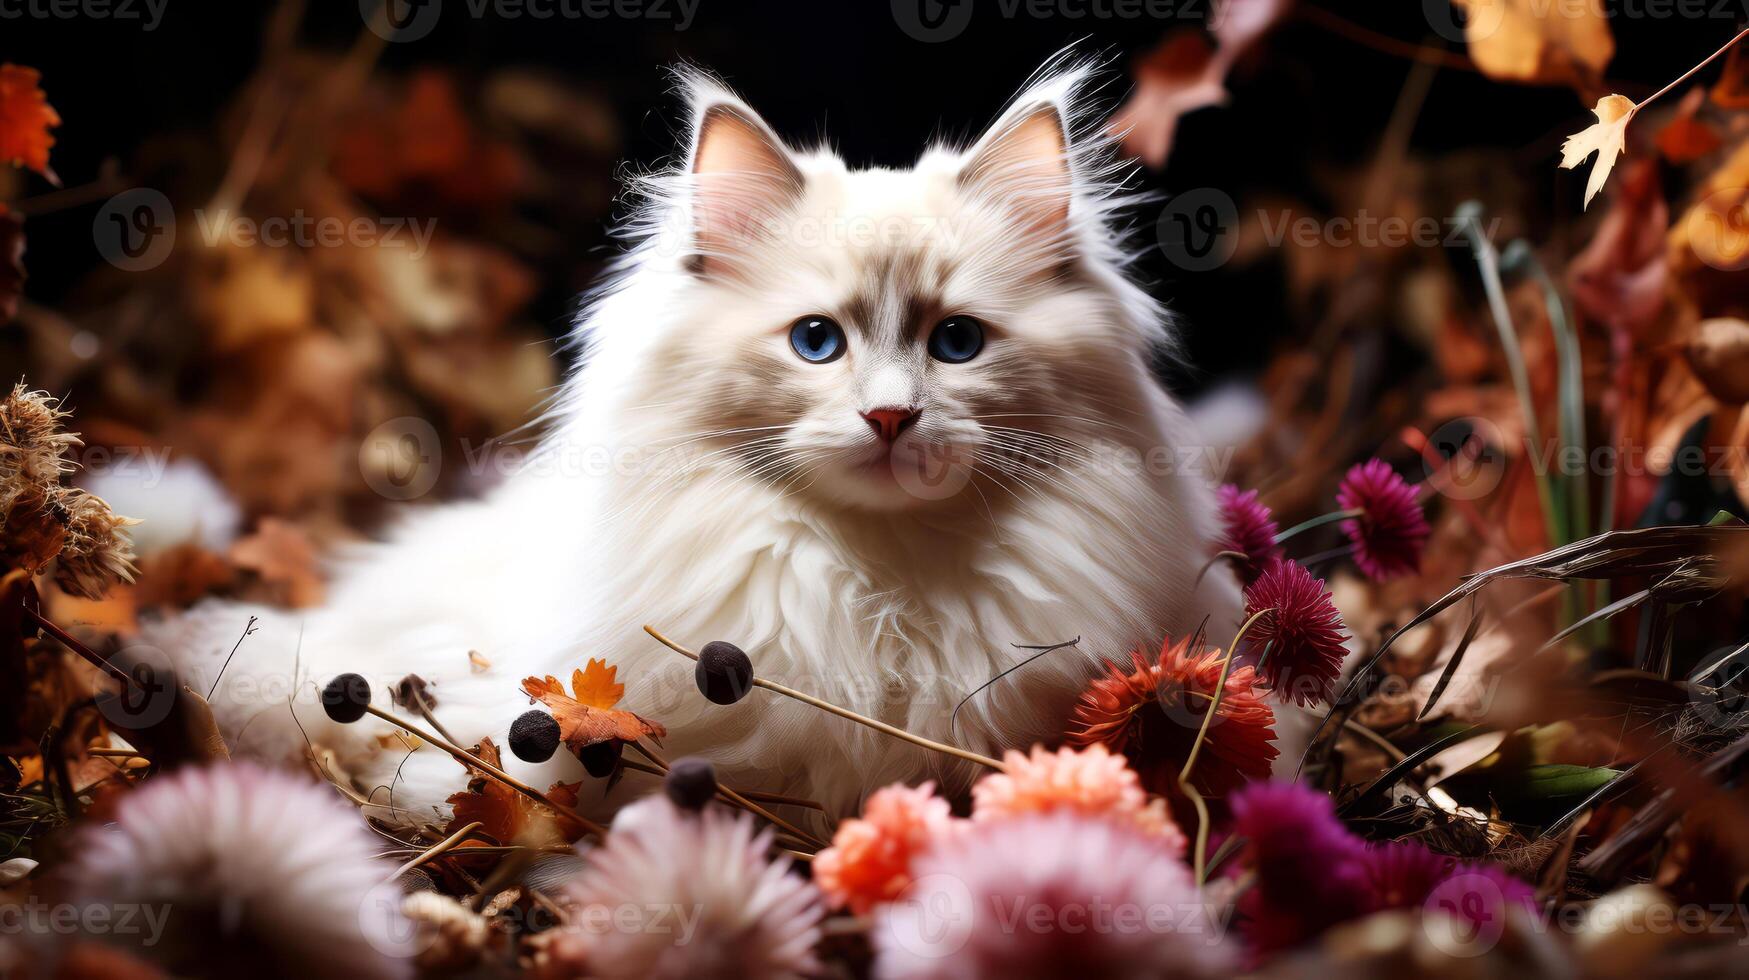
point(724, 673)
point(346, 697)
point(691, 782)
point(534, 736)
point(601, 759)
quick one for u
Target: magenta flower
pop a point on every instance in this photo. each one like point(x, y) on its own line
point(1391, 532)
point(1403, 873)
point(1302, 638)
point(1311, 873)
point(1478, 892)
point(1248, 528)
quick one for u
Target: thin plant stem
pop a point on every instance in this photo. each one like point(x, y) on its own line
point(467, 758)
point(1685, 76)
point(1184, 782)
point(435, 850)
point(827, 706)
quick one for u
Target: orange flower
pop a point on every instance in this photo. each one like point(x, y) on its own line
point(1151, 716)
point(869, 862)
point(1090, 781)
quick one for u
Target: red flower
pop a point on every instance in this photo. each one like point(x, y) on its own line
point(1302, 637)
point(1248, 528)
point(1151, 715)
point(1390, 533)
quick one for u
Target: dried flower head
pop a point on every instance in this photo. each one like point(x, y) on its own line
point(870, 859)
point(40, 519)
point(245, 865)
point(1301, 637)
point(746, 915)
point(1311, 873)
point(1391, 532)
point(1090, 781)
point(1060, 894)
point(1152, 713)
point(1247, 527)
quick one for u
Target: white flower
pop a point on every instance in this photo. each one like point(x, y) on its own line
point(672, 894)
point(234, 869)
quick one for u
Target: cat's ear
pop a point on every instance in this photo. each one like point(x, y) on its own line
point(1023, 164)
point(742, 178)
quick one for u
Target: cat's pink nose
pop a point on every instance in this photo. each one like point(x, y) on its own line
point(889, 422)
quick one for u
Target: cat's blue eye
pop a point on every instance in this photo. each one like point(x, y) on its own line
point(817, 339)
point(956, 339)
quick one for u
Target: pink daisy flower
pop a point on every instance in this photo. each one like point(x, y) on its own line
point(1088, 781)
point(1391, 532)
point(1060, 894)
point(869, 862)
point(1248, 528)
point(1303, 636)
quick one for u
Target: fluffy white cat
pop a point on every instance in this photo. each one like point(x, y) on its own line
point(876, 427)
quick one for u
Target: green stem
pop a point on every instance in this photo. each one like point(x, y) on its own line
point(1469, 216)
point(1319, 521)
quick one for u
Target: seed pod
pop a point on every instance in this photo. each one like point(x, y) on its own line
point(691, 782)
point(724, 672)
point(346, 697)
point(534, 736)
point(601, 759)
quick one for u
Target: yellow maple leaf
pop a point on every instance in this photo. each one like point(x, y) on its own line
point(595, 686)
point(1606, 137)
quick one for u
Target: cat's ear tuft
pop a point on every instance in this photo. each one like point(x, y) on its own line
point(742, 178)
point(1023, 163)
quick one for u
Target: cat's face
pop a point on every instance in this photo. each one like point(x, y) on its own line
point(899, 339)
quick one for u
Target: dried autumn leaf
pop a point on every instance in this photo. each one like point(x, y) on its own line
point(25, 120)
point(1536, 42)
point(1176, 78)
point(1709, 243)
point(281, 553)
point(588, 715)
point(504, 814)
point(1184, 72)
point(1719, 356)
point(1686, 138)
point(1731, 91)
point(1607, 137)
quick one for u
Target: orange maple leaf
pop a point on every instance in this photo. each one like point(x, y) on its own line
point(587, 715)
point(25, 120)
point(595, 685)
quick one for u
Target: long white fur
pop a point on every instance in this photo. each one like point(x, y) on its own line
point(889, 604)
